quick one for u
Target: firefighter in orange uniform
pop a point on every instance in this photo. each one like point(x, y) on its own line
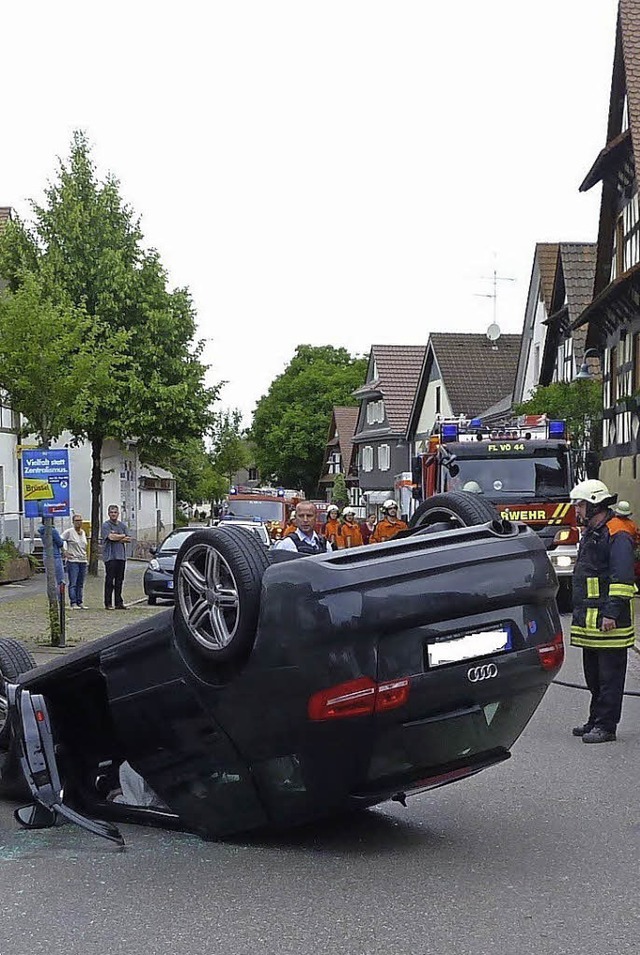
point(390, 525)
point(349, 534)
point(291, 526)
point(332, 527)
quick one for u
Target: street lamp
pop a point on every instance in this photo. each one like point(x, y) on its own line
point(585, 453)
point(585, 374)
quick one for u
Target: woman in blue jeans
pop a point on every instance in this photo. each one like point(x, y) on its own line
point(75, 543)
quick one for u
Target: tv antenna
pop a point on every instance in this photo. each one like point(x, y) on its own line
point(495, 278)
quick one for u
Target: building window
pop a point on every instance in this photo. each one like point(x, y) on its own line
point(536, 363)
point(384, 457)
point(560, 363)
point(631, 230)
point(253, 474)
point(613, 375)
point(617, 253)
point(606, 374)
point(636, 362)
point(438, 400)
point(8, 418)
point(375, 412)
point(367, 458)
point(568, 373)
point(334, 463)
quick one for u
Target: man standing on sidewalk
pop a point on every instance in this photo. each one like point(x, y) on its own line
point(114, 536)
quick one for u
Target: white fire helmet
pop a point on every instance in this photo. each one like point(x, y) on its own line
point(333, 507)
point(389, 504)
point(349, 512)
point(622, 509)
point(472, 487)
point(593, 492)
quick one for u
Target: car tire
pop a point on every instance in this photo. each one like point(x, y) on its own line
point(218, 578)
point(457, 508)
point(151, 600)
point(14, 660)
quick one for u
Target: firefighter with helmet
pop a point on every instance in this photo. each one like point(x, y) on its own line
point(332, 527)
point(390, 525)
point(349, 534)
point(291, 527)
point(603, 591)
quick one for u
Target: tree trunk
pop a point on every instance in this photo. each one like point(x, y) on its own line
point(96, 492)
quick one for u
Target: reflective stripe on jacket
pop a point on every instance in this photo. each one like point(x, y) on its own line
point(604, 586)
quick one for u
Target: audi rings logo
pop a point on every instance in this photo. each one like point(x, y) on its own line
point(485, 672)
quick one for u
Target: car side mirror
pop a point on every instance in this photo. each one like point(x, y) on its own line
point(454, 470)
point(153, 551)
point(35, 816)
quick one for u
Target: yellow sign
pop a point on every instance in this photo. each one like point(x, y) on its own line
point(526, 514)
point(37, 490)
point(24, 447)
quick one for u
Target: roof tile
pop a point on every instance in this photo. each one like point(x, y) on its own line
point(398, 368)
point(476, 372)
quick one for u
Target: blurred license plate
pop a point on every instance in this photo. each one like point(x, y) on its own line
point(169, 585)
point(467, 646)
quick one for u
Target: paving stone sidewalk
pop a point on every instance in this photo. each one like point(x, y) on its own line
point(25, 617)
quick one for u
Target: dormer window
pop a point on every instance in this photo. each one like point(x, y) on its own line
point(375, 412)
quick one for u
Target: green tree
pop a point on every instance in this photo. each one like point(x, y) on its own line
point(229, 452)
point(289, 429)
point(579, 403)
point(339, 494)
point(86, 248)
point(48, 373)
point(196, 476)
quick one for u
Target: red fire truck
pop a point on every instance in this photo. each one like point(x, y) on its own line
point(523, 467)
point(270, 505)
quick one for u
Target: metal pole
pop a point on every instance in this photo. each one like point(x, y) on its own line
point(61, 592)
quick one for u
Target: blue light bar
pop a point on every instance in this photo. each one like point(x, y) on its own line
point(449, 432)
point(232, 490)
point(476, 423)
point(557, 429)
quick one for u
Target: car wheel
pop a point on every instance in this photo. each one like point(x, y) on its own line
point(14, 660)
point(152, 600)
point(457, 508)
point(218, 577)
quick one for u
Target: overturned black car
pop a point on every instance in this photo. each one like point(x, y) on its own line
point(283, 689)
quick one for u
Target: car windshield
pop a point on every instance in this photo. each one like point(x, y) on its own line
point(256, 510)
point(535, 477)
point(173, 543)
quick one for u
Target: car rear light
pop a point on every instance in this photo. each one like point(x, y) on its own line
point(567, 535)
point(361, 697)
point(391, 695)
point(552, 654)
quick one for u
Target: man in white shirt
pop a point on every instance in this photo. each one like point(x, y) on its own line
point(75, 549)
point(304, 539)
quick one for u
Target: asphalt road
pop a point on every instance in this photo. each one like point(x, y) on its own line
point(537, 856)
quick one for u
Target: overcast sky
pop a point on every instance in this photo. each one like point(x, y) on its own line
point(342, 173)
